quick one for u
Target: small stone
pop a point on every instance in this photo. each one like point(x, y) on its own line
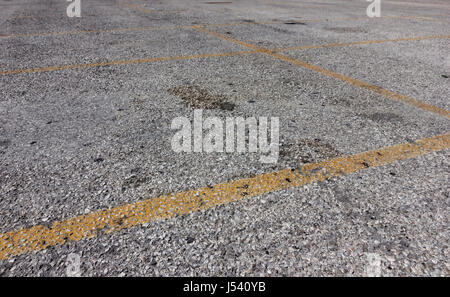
point(98, 160)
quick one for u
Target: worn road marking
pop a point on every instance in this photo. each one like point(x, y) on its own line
point(151, 28)
point(168, 206)
point(150, 60)
point(362, 42)
point(292, 5)
point(417, 4)
point(145, 10)
point(96, 31)
point(122, 62)
point(138, 8)
point(355, 82)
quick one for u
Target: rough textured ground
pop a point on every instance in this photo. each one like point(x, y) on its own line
point(74, 141)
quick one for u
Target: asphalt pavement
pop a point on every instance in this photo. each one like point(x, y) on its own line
point(90, 183)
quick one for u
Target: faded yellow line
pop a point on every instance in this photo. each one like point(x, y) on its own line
point(152, 28)
point(355, 82)
point(257, 50)
point(138, 8)
point(145, 10)
point(96, 31)
point(129, 29)
point(292, 5)
point(370, 19)
point(361, 42)
point(393, 95)
point(418, 4)
point(168, 206)
point(123, 62)
point(35, 16)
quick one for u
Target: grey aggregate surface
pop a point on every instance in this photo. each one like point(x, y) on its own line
point(79, 140)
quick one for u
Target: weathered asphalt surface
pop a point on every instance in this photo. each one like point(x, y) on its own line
point(79, 140)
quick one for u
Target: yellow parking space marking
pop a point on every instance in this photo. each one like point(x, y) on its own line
point(416, 4)
point(122, 62)
point(402, 98)
point(152, 28)
point(358, 83)
point(295, 4)
point(96, 31)
point(35, 16)
point(150, 60)
point(138, 8)
point(424, 17)
point(361, 42)
point(145, 10)
point(129, 29)
point(126, 29)
point(168, 206)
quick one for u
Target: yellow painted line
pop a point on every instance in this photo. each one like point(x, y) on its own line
point(362, 42)
point(128, 29)
point(122, 62)
point(418, 4)
point(150, 60)
point(96, 31)
point(35, 16)
point(152, 28)
point(292, 5)
point(139, 8)
point(355, 82)
point(168, 206)
point(145, 10)
point(368, 19)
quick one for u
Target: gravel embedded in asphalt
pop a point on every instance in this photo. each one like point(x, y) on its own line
point(80, 140)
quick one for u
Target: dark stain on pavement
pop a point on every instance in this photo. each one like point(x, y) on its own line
point(303, 151)
point(382, 117)
point(5, 143)
point(346, 29)
point(294, 23)
point(133, 181)
point(198, 97)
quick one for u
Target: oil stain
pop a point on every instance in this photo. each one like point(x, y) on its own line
point(303, 151)
point(198, 97)
point(382, 117)
point(346, 29)
point(133, 182)
point(294, 23)
point(5, 143)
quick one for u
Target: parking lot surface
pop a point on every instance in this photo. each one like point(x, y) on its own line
point(89, 176)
